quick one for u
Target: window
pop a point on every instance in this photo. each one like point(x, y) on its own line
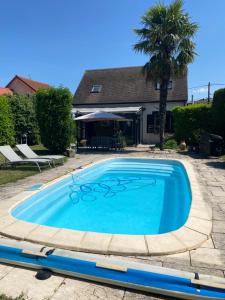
point(150, 123)
point(96, 88)
point(169, 122)
point(169, 87)
point(153, 122)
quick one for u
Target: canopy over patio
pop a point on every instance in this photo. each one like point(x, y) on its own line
point(127, 121)
point(115, 110)
point(100, 116)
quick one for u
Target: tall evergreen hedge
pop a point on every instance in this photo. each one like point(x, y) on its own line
point(24, 117)
point(6, 123)
point(218, 111)
point(53, 107)
point(190, 120)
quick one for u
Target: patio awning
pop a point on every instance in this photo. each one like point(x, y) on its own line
point(88, 110)
point(100, 116)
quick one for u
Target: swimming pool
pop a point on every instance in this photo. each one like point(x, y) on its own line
point(117, 196)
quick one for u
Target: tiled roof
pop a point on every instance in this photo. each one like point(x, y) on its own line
point(35, 85)
point(124, 85)
point(5, 91)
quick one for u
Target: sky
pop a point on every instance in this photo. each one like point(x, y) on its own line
point(55, 41)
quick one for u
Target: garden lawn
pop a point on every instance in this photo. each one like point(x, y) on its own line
point(11, 174)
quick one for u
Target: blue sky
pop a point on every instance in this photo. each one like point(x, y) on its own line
point(55, 41)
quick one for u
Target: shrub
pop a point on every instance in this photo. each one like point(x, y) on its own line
point(6, 123)
point(218, 112)
point(53, 108)
point(190, 120)
point(24, 117)
point(170, 143)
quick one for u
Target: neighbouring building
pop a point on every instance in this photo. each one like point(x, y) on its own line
point(5, 91)
point(124, 91)
point(200, 101)
point(24, 86)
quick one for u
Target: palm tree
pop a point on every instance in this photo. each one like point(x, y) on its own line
point(166, 37)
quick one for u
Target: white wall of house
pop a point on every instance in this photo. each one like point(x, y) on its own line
point(151, 138)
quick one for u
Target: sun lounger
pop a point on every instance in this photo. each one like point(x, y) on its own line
point(14, 159)
point(29, 153)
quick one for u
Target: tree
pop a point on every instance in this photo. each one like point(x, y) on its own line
point(166, 37)
point(53, 107)
point(6, 123)
point(24, 117)
point(218, 110)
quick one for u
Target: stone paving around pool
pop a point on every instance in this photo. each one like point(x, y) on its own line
point(208, 259)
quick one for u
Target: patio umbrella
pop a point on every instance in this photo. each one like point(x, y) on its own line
point(100, 116)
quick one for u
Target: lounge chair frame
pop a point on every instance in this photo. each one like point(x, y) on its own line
point(30, 154)
point(17, 160)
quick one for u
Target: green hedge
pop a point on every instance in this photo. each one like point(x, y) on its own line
point(170, 143)
point(24, 118)
point(218, 111)
point(6, 123)
point(190, 120)
point(53, 108)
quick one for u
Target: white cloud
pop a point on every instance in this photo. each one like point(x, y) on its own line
point(201, 90)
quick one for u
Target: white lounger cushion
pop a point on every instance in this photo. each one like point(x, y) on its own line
point(11, 156)
point(29, 153)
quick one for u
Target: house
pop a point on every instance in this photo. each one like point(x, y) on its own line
point(125, 91)
point(24, 86)
point(5, 91)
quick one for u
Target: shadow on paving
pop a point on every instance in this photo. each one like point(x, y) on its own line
point(193, 155)
point(216, 164)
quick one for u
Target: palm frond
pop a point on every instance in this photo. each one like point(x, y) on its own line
point(166, 37)
point(142, 46)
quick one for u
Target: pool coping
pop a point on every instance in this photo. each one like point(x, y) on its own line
point(191, 235)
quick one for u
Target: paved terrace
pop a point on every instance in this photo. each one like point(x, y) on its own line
point(208, 259)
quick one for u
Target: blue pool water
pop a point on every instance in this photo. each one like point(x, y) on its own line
point(120, 196)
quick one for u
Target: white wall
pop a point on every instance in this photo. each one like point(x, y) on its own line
point(151, 138)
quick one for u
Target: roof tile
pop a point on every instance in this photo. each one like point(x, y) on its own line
point(5, 91)
point(124, 85)
point(35, 85)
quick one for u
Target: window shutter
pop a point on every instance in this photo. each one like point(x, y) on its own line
point(169, 122)
point(156, 121)
point(150, 123)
